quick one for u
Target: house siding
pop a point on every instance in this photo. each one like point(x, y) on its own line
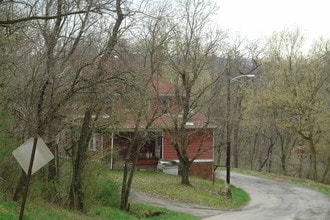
point(196, 139)
point(202, 170)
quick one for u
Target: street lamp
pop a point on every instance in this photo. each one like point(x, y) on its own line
point(240, 76)
point(228, 127)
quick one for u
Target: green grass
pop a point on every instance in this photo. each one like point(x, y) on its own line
point(240, 197)
point(7, 210)
point(142, 210)
point(201, 192)
point(322, 188)
point(35, 210)
point(42, 210)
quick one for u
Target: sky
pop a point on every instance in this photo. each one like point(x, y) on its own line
point(255, 19)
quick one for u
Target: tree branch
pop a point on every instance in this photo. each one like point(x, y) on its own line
point(5, 23)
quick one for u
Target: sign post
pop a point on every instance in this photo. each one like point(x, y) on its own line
point(32, 155)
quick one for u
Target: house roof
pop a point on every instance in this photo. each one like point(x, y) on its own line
point(166, 122)
point(163, 86)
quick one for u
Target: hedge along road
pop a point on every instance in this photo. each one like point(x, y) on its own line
point(273, 199)
point(270, 200)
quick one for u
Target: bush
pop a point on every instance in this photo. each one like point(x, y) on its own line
point(9, 168)
point(108, 193)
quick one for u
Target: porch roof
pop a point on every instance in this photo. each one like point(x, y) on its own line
point(167, 122)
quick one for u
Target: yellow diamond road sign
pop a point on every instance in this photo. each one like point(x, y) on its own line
point(42, 156)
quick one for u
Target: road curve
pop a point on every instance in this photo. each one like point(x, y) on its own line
point(276, 200)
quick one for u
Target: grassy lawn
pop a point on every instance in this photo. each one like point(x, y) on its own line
point(202, 192)
point(42, 210)
point(322, 188)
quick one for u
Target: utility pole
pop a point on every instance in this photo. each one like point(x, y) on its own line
point(228, 129)
point(228, 120)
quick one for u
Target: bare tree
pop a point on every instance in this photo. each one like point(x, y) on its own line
point(56, 70)
point(26, 11)
point(142, 120)
point(144, 69)
point(242, 62)
point(76, 190)
point(192, 46)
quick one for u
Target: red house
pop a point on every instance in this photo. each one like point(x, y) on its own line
point(158, 146)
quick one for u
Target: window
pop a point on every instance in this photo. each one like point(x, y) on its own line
point(96, 142)
point(190, 120)
point(159, 144)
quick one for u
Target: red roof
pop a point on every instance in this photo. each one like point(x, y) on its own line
point(163, 86)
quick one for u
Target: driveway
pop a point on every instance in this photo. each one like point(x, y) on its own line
point(270, 199)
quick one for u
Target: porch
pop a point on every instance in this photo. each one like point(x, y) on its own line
point(150, 152)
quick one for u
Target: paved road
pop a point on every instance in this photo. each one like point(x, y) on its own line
point(270, 200)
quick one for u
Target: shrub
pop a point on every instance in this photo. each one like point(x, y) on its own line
point(108, 193)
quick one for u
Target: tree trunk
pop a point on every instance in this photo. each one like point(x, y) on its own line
point(127, 183)
point(53, 175)
point(254, 151)
point(283, 164)
point(20, 186)
point(52, 171)
point(325, 173)
point(269, 165)
point(313, 159)
point(269, 152)
point(301, 161)
point(185, 168)
point(76, 194)
point(236, 145)
point(283, 155)
point(124, 193)
point(236, 130)
point(130, 169)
